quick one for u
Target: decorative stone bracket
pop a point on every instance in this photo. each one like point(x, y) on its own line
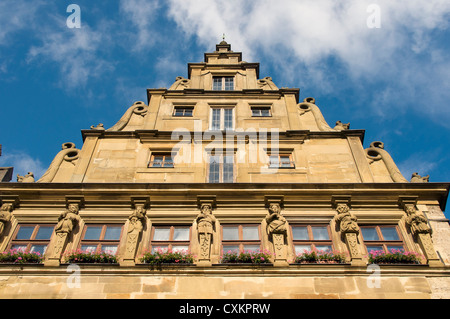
point(418, 225)
point(346, 222)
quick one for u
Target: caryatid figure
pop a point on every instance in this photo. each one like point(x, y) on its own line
point(67, 221)
point(277, 232)
point(135, 227)
point(205, 228)
point(5, 215)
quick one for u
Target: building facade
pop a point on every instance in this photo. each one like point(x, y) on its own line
point(224, 160)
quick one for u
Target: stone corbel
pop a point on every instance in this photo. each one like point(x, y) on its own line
point(347, 224)
point(421, 231)
point(136, 223)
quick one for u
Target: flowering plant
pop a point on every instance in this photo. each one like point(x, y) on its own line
point(250, 256)
point(320, 257)
point(18, 256)
point(394, 256)
point(90, 257)
point(167, 256)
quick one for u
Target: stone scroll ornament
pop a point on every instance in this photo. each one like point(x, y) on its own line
point(308, 105)
point(136, 225)
point(205, 229)
point(138, 108)
point(376, 152)
point(5, 215)
point(348, 226)
point(69, 153)
point(181, 83)
point(66, 223)
point(267, 84)
point(277, 232)
point(421, 231)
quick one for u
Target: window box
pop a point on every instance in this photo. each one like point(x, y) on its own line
point(319, 257)
point(18, 256)
point(381, 257)
point(90, 257)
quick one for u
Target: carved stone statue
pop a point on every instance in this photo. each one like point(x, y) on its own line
point(28, 178)
point(421, 231)
point(205, 228)
point(276, 228)
point(346, 222)
point(136, 225)
point(339, 126)
point(68, 219)
point(5, 215)
point(416, 178)
point(99, 127)
point(276, 223)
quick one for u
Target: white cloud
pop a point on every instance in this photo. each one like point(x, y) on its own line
point(16, 15)
point(141, 14)
point(22, 163)
point(75, 51)
point(399, 57)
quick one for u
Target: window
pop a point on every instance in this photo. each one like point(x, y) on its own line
point(221, 119)
point(240, 238)
point(309, 237)
point(261, 111)
point(223, 83)
point(98, 237)
point(281, 161)
point(384, 237)
point(170, 237)
point(161, 160)
point(183, 111)
point(32, 238)
point(221, 169)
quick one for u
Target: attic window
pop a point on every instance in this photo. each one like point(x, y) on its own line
point(261, 111)
point(223, 83)
point(161, 160)
point(183, 111)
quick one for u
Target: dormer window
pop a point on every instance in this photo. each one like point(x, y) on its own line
point(223, 83)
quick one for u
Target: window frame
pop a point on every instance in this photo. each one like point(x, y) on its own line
point(279, 155)
point(101, 241)
point(311, 241)
point(164, 155)
point(221, 167)
point(223, 82)
point(241, 241)
point(260, 108)
point(183, 108)
point(170, 242)
point(221, 118)
point(31, 241)
point(381, 241)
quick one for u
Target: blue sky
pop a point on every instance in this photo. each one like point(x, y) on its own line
point(392, 81)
